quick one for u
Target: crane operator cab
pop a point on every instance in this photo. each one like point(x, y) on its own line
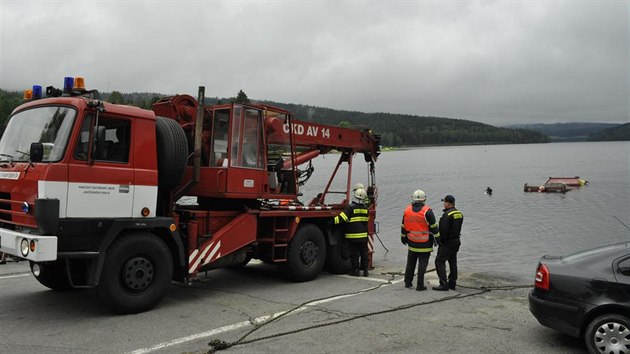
point(238, 162)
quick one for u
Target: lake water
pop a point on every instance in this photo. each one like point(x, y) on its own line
point(506, 233)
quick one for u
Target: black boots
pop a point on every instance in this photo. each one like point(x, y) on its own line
point(421, 288)
point(356, 273)
point(442, 287)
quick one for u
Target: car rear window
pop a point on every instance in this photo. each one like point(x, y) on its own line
point(582, 255)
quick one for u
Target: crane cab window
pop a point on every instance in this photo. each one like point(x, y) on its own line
point(220, 126)
point(247, 144)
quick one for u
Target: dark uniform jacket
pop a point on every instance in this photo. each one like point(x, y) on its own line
point(430, 227)
point(356, 218)
point(451, 224)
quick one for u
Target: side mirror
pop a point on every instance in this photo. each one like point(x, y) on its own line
point(99, 142)
point(37, 152)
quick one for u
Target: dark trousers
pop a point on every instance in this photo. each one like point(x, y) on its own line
point(422, 259)
point(447, 252)
point(358, 249)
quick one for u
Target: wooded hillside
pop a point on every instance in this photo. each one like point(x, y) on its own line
point(395, 129)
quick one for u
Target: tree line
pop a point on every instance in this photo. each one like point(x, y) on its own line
point(396, 130)
point(621, 132)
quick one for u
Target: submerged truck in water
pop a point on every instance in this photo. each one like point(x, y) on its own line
point(90, 192)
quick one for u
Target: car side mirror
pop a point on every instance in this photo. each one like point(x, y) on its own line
point(624, 270)
point(37, 152)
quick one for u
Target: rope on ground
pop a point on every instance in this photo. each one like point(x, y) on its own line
point(379, 240)
point(217, 345)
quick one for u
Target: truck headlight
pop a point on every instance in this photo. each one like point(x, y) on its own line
point(24, 247)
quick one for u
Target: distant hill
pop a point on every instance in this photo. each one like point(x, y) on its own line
point(567, 131)
point(395, 129)
point(412, 130)
point(621, 132)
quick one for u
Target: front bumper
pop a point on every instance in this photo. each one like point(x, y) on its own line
point(559, 316)
point(45, 246)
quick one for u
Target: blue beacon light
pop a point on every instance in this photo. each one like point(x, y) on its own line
point(68, 84)
point(37, 92)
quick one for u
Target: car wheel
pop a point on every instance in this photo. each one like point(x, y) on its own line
point(608, 334)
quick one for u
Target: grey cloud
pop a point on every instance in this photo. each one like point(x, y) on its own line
point(497, 62)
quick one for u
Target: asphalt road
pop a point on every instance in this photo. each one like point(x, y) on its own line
point(332, 314)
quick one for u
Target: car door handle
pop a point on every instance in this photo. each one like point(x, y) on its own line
point(599, 284)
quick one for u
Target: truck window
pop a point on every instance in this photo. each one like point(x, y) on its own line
point(117, 140)
point(218, 155)
point(252, 139)
point(247, 147)
point(50, 126)
point(236, 133)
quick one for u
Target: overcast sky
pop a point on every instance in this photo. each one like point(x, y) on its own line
point(497, 62)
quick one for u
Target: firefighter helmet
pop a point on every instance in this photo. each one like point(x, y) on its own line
point(358, 186)
point(418, 196)
point(360, 195)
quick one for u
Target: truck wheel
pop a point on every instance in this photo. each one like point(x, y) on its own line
point(172, 152)
point(306, 254)
point(338, 259)
point(137, 272)
point(608, 334)
point(52, 275)
point(242, 264)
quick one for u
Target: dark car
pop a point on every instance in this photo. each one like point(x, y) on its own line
point(586, 295)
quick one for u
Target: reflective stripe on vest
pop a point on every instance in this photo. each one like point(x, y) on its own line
point(416, 224)
point(456, 214)
point(357, 235)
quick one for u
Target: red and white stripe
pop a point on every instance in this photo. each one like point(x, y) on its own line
point(206, 255)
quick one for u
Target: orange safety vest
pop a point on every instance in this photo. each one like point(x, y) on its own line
point(416, 224)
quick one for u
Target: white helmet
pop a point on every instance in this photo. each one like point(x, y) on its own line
point(358, 186)
point(360, 195)
point(418, 196)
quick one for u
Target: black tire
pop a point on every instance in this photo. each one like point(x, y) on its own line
point(608, 334)
point(338, 258)
point(242, 264)
point(53, 275)
point(172, 152)
point(306, 254)
point(137, 272)
point(3, 258)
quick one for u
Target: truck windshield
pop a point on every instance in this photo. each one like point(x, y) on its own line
point(50, 126)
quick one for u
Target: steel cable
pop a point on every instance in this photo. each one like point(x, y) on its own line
point(217, 345)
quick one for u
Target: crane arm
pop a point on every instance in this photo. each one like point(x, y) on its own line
point(323, 137)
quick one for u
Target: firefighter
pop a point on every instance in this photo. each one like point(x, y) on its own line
point(356, 216)
point(418, 231)
point(450, 229)
point(360, 185)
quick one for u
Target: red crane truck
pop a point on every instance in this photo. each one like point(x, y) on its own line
point(89, 192)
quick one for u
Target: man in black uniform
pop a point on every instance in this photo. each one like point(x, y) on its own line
point(356, 217)
point(450, 229)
